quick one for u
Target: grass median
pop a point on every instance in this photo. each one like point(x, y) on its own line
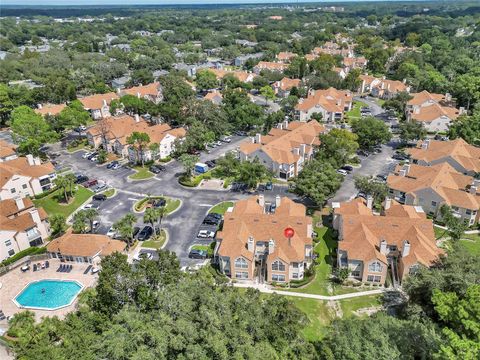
point(53, 203)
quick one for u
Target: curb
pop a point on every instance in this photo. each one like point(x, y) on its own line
point(167, 237)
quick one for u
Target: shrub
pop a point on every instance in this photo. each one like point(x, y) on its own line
point(22, 254)
point(45, 193)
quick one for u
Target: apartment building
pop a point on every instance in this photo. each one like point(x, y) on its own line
point(242, 76)
point(152, 92)
point(282, 88)
point(214, 96)
point(285, 149)
point(401, 238)
point(84, 248)
point(331, 103)
point(50, 109)
point(252, 244)
point(351, 62)
point(434, 111)
point(285, 57)
point(112, 134)
point(381, 87)
point(98, 105)
point(7, 151)
point(433, 186)
point(21, 226)
point(463, 157)
point(25, 176)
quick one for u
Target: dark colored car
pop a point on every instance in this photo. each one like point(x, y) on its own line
point(348, 168)
point(100, 197)
point(92, 155)
point(136, 230)
point(91, 183)
point(216, 216)
point(197, 254)
point(112, 164)
point(269, 186)
point(210, 164)
point(157, 169)
point(211, 220)
point(363, 153)
point(400, 157)
point(145, 234)
point(382, 178)
point(194, 152)
point(81, 179)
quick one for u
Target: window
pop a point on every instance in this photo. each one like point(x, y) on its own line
point(11, 252)
point(278, 277)
point(295, 275)
point(24, 186)
point(277, 265)
point(355, 273)
point(468, 212)
point(375, 267)
point(13, 191)
point(455, 208)
point(241, 275)
point(241, 263)
point(374, 278)
point(8, 243)
point(295, 265)
point(434, 203)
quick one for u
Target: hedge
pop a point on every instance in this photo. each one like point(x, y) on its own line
point(45, 193)
point(21, 254)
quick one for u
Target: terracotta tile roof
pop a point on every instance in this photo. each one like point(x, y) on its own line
point(362, 235)
point(311, 57)
point(20, 166)
point(9, 207)
point(50, 109)
point(273, 66)
point(424, 96)
point(354, 61)
point(465, 154)
point(242, 76)
point(287, 83)
point(442, 179)
point(279, 143)
point(7, 149)
point(89, 245)
point(144, 90)
point(285, 56)
point(249, 220)
point(213, 96)
point(394, 86)
point(433, 112)
point(95, 102)
point(19, 220)
point(331, 99)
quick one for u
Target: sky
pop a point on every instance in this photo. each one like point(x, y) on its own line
point(157, 2)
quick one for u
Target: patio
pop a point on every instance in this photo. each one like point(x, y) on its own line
point(14, 281)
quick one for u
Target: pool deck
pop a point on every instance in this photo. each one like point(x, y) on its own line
point(15, 281)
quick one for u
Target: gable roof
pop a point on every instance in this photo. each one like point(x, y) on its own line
point(425, 96)
point(430, 113)
point(331, 99)
point(20, 166)
point(85, 245)
point(7, 149)
point(19, 220)
point(95, 102)
point(151, 89)
point(50, 109)
point(287, 83)
point(465, 154)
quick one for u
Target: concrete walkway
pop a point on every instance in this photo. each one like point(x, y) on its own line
point(266, 289)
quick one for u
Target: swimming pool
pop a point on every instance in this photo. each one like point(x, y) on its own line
point(48, 294)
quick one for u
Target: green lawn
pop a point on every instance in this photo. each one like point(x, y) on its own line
point(439, 233)
point(208, 248)
point(350, 305)
point(472, 244)
point(53, 205)
point(221, 208)
point(156, 243)
point(109, 192)
point(318, 314)
point(172, 204)
point(355, 112)
point(141, 174)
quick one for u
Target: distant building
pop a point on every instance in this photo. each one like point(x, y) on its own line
point(282, 88)
point(50, 109)
point(271, 66)
point(99, 104)
point(7, 151)
point(152, 92)
point(215, 97)
point(241, 60)
point(121, 82)
point(331, 103)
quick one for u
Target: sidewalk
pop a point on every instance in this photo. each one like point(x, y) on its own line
point(266, 289)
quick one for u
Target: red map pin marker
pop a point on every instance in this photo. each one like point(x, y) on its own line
point(288, 232)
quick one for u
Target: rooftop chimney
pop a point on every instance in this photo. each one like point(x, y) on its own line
point(285, 125)
point(278, 200)
point(261, 200)
point(303, 149)
point(258, 138)
point(30, 160)
point(406, 248)
point(280, 125)
point(406, 167)
point(369, 201)
point(402, 172)
point(388, 203)
point(137, 118)
point(19, 202)
point(251, 244)
point(35, 216)
point(271, 246)
point(39, 106)
point(119, 91)
point(473, 190)
point(448, 97)
point(383, 246)
point(296, 151)
point(425, 144)
point(104, 102)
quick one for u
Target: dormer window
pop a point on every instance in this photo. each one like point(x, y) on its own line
point(277, 265)
point(241, 263)
point(375, 266)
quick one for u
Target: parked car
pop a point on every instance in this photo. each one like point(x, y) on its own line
point(87, 154)
point(400, 157)
point(145, 234)
point(92, 155)
point(143, 255)
point(100, 187)
point(197, 254)
point(381, 177)
point(81, 179)
point(157, 169)
point(112, 164)
point(94, 158)
point(361, 195)
point(219, 143)
point(92, 205)
point(226, 139)
point(99, 197)
point(211, 220)
point(269, 186)
point(206, 234)
point(116, 166)
point(91, 183)
point(342, 172)
point(96, 225)
point(210, 163)
point(159, 203)
point(112, 232)
point(136, 230)
point(216, 216)
point(347, 168)
point(363, 153)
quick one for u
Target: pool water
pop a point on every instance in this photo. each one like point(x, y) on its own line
point(48, 294)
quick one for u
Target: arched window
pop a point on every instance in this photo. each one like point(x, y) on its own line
point(375, 267)
point(241, 263)
point(277, 265)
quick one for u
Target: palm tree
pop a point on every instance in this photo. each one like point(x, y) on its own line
point(70, 181)
point(139, 140)
point(61, 183)
point(90, 215)
point(151, 216)
point(78, 225)
point(162, 213)
point(125, 227)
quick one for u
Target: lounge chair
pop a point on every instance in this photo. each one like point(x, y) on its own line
point(63, 267)
point(71, 268)
point(34, 267)
point(2, 316)
point(47, 264)
point(87, 269)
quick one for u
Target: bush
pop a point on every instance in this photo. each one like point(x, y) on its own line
point(44, 194)
point(22, 254)
point(165, 160)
